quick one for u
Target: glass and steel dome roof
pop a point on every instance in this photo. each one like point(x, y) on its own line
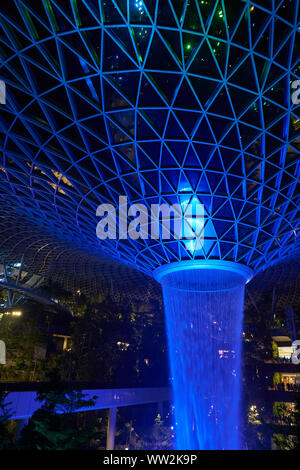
point(151, 99)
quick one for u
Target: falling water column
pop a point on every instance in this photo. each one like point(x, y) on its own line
point(204, 310)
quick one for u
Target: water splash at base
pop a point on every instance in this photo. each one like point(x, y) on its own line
point(204, 310)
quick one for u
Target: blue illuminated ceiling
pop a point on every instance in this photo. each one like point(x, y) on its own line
point(145, 99)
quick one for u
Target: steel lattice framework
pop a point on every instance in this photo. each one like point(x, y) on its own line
point(54, 260)
point(152, 99)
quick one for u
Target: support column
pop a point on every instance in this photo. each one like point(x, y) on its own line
point(111, 428)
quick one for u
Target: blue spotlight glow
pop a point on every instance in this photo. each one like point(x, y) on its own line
point(204, 310)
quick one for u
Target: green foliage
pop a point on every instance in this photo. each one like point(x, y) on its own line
point(158, 437)
point(284, 442)
point(288, 417)
point(21, 335)
point(110, 342)
point(277, 378)
point(275, 353)
point(6, 438)
point(113, 342)
point(55, 291)
point(280, 409)
point(54, 426)
point(116, 340)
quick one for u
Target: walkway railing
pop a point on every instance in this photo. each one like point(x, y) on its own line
point(23, 403)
